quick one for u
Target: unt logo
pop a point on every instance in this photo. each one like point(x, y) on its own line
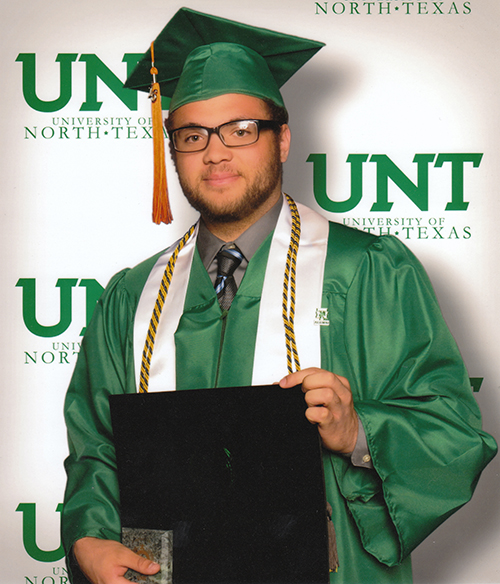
point(94, 69)
point(321, 317)
point(93, 291)
point(387, 171)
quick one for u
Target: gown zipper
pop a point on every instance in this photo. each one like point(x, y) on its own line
point(222, 334)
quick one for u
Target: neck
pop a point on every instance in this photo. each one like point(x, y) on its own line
point(231, 230)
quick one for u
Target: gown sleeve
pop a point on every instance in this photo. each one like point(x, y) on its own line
point(91, 506)
point(413, 396)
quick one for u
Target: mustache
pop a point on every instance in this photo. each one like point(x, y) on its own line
point(224, 169)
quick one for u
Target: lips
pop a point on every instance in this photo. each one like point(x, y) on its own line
point(221, 179)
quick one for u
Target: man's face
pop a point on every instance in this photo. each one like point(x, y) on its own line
point(231, 184)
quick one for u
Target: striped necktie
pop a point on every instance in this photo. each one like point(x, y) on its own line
point(228, 259)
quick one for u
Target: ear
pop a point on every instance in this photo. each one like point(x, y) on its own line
point(285, 139)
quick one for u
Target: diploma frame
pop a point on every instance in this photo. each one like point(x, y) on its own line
point(235, 473)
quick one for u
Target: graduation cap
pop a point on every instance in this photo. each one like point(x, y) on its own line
point(198, 56)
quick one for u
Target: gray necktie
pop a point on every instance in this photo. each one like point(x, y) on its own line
point(228, 259)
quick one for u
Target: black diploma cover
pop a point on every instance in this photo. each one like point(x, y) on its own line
point(235, 473)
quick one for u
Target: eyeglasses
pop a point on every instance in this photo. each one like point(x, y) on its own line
point(231, 134)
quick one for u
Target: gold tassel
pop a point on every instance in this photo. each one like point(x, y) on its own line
point(161, 205)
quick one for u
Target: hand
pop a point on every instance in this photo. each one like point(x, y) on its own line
point(330, 405)
point(105, 561)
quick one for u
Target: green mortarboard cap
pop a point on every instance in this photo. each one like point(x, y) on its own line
point(199, 56)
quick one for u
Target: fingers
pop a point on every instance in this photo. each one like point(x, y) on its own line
point(139, 563)
point(106, 561)
point(330, 406)
point(319, 415)
point(298, 377)
point(323, 396)
point(314, 378)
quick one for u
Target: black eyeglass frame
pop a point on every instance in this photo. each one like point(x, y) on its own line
point(261, 125)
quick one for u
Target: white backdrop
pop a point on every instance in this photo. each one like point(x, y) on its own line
point(397, 79)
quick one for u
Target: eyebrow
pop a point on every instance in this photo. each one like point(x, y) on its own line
point(197, 125)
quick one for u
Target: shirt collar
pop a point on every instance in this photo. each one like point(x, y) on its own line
point(248, 242)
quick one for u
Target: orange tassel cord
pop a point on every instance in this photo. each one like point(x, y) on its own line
point(161, 205)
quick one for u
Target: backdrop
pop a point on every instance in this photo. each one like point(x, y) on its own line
point(395, 129)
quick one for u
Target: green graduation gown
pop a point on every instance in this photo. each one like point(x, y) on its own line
point(386, 335)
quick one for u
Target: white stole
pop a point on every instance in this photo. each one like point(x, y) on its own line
point(270, 349)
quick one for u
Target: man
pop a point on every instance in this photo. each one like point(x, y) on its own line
point(361, 331)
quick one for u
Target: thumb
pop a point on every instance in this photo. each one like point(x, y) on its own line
point(140, 564)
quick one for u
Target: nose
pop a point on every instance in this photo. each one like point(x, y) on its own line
point(216, 152)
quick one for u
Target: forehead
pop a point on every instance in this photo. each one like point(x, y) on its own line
point(217, 110)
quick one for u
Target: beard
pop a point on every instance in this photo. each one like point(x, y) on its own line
point(263, 186)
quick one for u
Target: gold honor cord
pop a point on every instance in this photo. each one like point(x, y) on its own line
point(155, 318)
point(288, 300)
point(292, 355)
